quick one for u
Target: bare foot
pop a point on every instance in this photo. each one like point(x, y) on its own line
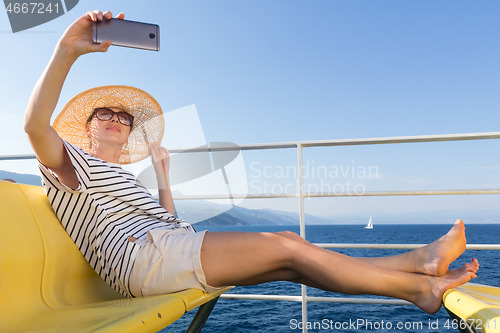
point(431, 298)
point(471, 267)
point(434, 259)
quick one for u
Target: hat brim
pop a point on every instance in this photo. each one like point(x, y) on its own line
point(148, 124)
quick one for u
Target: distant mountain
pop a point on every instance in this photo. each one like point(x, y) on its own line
point(21, 178)
point(310, 219)
point(261, 216)
point(223, 219)
point(221, 215)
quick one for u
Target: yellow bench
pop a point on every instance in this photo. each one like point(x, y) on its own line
point(47, 286)
point(475, 308)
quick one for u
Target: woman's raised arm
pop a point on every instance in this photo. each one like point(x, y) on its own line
point(48, 147)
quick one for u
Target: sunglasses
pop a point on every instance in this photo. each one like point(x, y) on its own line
point(105, 114)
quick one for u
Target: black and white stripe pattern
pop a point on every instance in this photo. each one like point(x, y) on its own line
point(108, 206)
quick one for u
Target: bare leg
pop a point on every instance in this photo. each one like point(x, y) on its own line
point(432, 259)
point(232, 258)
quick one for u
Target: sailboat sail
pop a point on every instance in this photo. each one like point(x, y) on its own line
point(370, 224)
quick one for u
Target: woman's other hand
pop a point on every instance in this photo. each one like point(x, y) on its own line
point(161, 162)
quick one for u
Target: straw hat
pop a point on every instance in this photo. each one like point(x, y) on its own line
point(148, 124)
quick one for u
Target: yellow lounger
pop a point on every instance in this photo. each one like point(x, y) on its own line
point(475, 308)
point(47, 286)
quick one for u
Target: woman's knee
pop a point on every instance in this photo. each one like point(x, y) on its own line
point(292, 236)
point(290, 246)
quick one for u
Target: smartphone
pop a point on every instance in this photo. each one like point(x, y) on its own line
point(128, 33)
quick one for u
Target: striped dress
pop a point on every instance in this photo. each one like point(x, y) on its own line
point(108, 206)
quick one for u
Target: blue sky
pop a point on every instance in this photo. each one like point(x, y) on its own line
point(275, 71)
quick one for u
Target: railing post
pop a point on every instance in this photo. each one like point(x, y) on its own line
point(302, 230)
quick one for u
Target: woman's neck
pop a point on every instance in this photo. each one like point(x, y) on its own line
point(106, 153)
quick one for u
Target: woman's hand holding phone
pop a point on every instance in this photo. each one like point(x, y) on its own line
point(77, 39)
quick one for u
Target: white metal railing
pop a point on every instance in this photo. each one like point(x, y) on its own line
point(300, 145)
point(304, 299)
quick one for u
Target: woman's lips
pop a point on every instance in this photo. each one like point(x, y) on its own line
point(114, 128)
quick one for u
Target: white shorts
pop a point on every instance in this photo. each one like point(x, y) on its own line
point(168, 261)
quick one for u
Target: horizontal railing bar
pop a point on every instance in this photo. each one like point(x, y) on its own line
point(350, 142)
point(17, 157)
point(234, 196)
point(327, 195)
point(398, 246)
point(290, 298)
point(404, 139)
point(403, 193)
point(359, 300)
point(322, 143)
point(253, 146)
point(263, 297)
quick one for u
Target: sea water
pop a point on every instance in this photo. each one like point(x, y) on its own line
point(280, 316)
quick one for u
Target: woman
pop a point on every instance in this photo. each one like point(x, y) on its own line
point(125, 235)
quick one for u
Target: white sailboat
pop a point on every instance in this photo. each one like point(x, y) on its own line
point(370, 224)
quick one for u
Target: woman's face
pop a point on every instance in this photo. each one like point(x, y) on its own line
point(109, 127)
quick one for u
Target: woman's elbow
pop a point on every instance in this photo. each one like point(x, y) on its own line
point(29, 126)
point(32, 127)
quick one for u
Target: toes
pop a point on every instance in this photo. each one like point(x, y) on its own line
point(473, 266)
